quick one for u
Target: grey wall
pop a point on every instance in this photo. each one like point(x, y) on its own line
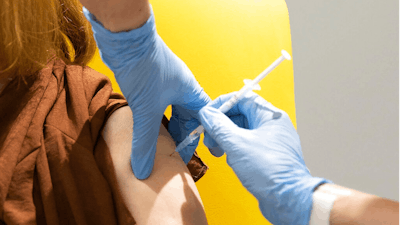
point(346, 68)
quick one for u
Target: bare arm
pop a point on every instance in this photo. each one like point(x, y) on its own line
point(169, 195)
point(354, 207)
point(119, 15)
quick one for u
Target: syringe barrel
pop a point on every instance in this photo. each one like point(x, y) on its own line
point(224, 108)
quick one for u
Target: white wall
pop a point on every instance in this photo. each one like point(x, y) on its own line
point(346, 55)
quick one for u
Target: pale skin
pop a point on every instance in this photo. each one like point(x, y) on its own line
point(169, 195)
point(150, 201)
point(361, 208)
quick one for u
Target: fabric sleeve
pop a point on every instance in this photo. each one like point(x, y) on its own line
point(115, 102)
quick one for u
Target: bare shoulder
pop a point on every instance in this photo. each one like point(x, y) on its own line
point(169, 195)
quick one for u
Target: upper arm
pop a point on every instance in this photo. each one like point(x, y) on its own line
point(169, 195)
point(119, 15)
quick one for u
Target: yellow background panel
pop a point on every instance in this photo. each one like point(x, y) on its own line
point(224, 42)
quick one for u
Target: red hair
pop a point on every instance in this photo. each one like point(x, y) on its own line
point(35, 31)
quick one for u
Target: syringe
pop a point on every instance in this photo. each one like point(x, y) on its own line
point(249, 85)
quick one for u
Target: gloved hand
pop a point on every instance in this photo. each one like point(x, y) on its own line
point(151, 77)
point(266, 156)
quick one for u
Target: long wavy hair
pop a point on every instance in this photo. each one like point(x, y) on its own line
point(32, 32)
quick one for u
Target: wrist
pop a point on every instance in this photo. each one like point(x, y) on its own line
point(295, 199)
point(324, 197)
point(330, 201)
point(361, 208)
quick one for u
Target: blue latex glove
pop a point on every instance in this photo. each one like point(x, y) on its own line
point(151, 77)
point(265, 155)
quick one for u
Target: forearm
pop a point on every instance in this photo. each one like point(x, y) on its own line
point(119, 15)
point(354, 207)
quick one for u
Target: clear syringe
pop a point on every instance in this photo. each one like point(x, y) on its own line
point(249, 85)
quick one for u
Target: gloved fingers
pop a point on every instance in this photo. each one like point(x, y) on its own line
point(187, 152)
point(182, 114)
point(246, 102)
point(179, 130)
point(212, 145)
point(144, 142)
point(181, 124)
point(240, 120)
point(208, 141)
point(216, 151)
point(255, 108)
point(218, 102)
point(219, 127)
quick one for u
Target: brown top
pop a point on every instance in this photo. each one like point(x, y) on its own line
point(54, 166)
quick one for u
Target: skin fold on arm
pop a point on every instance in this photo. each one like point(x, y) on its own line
point(169, 195)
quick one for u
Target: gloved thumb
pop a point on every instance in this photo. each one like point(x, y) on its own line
point(144, 144)
point(219, 127)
